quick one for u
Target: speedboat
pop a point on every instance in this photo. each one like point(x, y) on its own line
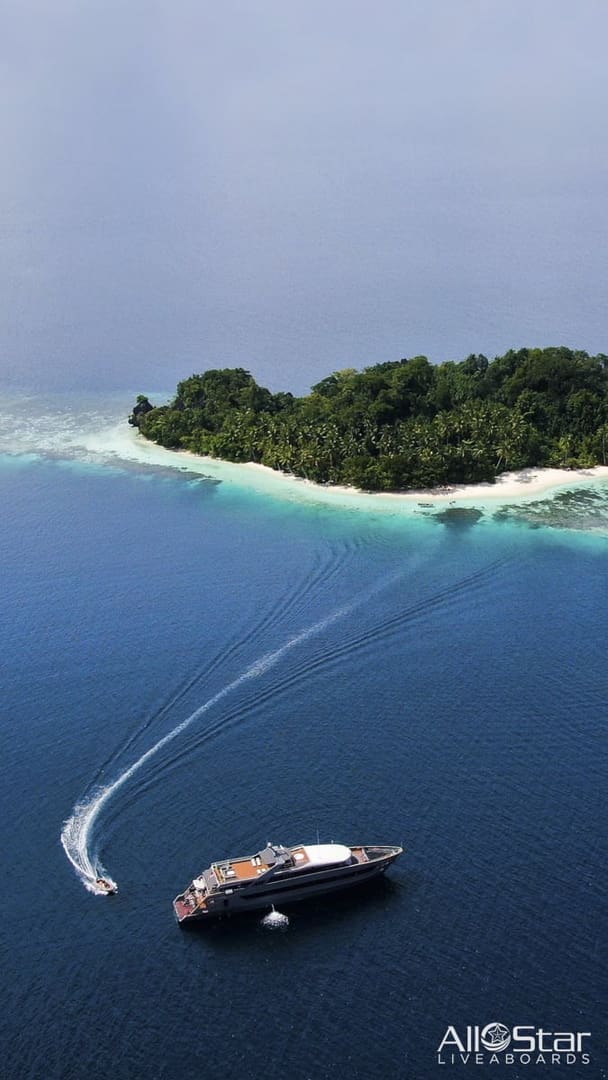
point(279, 874)
point(107, 886)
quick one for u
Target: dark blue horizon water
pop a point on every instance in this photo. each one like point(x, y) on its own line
point(453, 699)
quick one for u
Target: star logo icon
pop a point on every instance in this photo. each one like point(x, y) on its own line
point(495, 1037)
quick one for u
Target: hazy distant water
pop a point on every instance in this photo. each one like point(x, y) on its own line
point(453, 699)
point(297, 190)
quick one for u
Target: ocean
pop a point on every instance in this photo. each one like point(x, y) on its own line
point(213, 661)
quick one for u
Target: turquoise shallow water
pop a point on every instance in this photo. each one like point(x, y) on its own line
point(451, 697)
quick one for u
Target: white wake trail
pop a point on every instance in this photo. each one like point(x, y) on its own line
point(78, 829)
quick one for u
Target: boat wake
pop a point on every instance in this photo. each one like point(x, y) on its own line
point(77, 832)
point(275, 920)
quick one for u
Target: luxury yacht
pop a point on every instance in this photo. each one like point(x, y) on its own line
point(279, 874)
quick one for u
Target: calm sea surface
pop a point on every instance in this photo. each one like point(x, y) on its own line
point(450, 695)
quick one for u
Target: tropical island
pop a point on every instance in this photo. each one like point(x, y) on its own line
point(402, 425)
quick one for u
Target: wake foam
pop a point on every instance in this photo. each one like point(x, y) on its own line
point(77, 832)
point(275, 920)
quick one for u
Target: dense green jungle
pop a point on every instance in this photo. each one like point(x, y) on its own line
point(399, 425)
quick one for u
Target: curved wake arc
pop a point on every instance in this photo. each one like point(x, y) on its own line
point(77, 832)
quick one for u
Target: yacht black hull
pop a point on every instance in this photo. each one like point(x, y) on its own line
point(261, 895)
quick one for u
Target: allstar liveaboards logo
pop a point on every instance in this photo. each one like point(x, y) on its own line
point(523, 1044)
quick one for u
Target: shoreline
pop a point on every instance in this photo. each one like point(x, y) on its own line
point(526, 485)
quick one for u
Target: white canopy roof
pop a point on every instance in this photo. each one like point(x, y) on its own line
point(327, 854)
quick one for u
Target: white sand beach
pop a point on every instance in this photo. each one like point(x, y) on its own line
point(123, 443)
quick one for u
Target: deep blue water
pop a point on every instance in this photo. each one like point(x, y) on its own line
point(453, 699)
